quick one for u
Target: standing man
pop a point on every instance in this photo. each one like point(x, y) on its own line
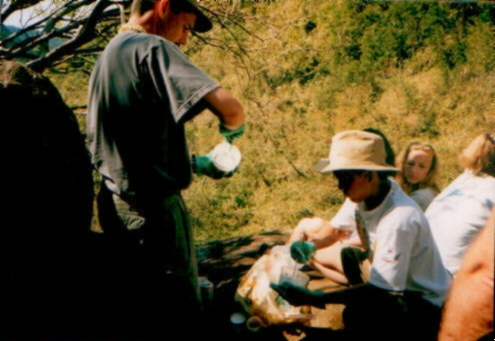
point(142, 91)
point(407, 283)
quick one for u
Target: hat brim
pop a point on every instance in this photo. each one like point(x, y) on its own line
point(324, 166)
point(203, 23)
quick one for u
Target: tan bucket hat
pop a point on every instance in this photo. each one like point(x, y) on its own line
point(355, 149)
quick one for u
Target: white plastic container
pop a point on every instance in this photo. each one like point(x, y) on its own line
point(238, 321)
point(294, 276)
point(226, 157)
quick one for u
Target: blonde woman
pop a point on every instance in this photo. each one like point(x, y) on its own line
point(460, 211)
point(419, 167)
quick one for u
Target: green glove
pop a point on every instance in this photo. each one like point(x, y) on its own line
point(231, 135)
point(298, 296)
point(203, 165)
point(302, 252)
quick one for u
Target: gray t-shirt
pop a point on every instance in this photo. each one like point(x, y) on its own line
point(141, 92)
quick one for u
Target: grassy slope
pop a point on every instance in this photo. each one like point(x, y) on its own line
point(299, 87)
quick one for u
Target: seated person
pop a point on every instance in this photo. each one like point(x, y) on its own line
point(461, 210)
point(408, 283)
point(419, 167)
point(342, 228)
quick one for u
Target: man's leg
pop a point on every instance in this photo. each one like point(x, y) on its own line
point(120, 268)
point(423, 317)
point(172, 275)
point(379, 317)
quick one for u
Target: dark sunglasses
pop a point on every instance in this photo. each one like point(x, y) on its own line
point(347, 175)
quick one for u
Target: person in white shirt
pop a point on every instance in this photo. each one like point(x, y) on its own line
point(407, 284)
point(419, 166)
point(326, 234)
point(460, 211)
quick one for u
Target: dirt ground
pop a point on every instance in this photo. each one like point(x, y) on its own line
point(224, 264)
point(323, 320)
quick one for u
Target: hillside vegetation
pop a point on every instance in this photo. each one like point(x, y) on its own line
point(305, 70)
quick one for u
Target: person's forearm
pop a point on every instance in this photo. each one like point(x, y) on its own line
point(297, 234)
point(468, 313)
point(228, 109)
point(316, 230)
point(234, 117)
point(330, 237)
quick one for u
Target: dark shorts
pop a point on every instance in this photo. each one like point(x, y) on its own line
point(388, 317)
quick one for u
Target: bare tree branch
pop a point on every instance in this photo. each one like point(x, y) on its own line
point(14, 6)
point(71, 23)
point(69, 30)
point(85, 34)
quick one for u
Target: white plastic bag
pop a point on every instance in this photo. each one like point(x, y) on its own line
point(259, 299)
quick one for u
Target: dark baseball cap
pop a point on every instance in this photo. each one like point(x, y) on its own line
point(203, 23)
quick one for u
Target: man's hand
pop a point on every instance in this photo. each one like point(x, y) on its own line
point(231, 134)
point(297, 295)
point(203, 165)
point(302, 251)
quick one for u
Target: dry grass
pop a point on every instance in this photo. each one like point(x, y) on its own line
point(290, 123)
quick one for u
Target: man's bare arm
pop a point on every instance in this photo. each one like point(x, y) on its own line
point(228, 109)
point(468, 312)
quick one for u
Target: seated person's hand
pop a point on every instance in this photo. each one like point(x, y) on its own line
point(297, 295)
point(203, 165)
point(302, 251)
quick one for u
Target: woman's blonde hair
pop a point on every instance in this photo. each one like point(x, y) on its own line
point(479, 156)
point(429, 180)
